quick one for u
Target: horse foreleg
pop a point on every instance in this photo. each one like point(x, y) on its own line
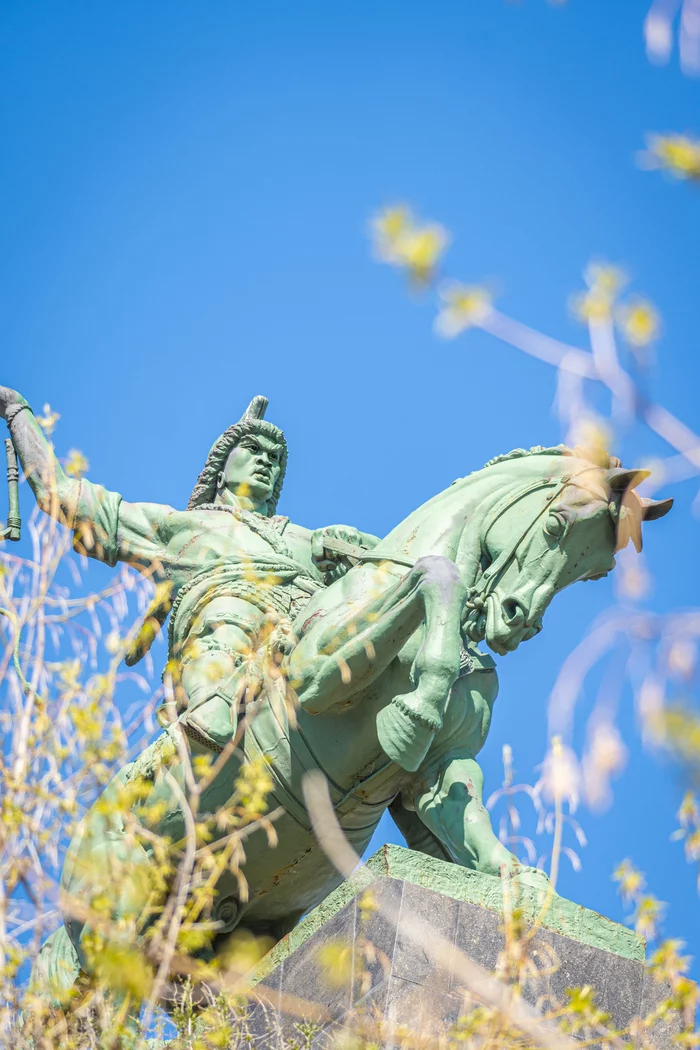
point(341, 657)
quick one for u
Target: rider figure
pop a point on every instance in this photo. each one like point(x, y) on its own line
point(234, 572)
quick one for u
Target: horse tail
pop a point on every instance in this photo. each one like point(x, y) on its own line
point(55, 970)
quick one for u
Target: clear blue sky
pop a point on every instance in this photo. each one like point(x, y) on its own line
point(185, 196)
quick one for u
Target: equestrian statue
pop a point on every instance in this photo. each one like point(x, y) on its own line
point(376, 640)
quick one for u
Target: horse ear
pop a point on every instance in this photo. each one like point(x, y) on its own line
point(620, 479)
point(655, 508)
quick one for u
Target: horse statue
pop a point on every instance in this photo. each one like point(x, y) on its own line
point(393, 695)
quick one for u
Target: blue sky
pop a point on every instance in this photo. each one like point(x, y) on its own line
point(186, 193)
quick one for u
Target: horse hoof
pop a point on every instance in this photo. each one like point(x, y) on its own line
point(403, 739)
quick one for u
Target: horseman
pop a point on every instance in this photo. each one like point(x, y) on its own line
point(231, 572)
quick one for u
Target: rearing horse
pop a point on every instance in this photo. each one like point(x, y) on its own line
point(394, 696)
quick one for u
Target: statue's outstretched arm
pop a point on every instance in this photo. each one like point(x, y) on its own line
point(106, 527)
point(55, 492)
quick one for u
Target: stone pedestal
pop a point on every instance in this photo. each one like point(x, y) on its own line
point(353, 964)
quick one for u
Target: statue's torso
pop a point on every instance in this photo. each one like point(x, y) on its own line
point(197, 539)
point(269, 558)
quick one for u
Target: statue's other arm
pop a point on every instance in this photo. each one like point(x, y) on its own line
point(105, 527)
point(335, 565)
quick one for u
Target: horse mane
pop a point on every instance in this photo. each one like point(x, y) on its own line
point(542, 450)
point(552, 450)
point(536, 450)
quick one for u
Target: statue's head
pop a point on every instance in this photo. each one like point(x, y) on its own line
point(249, 459)
point(537, 539)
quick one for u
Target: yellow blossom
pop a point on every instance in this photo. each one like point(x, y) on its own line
point(593, 437)
point(400, 240)
point(76, 464)
point(112, 643)
point(201, 765)
point(678, 154)
point(391, 223)
point(606, 758)
point(420, 249)
point(124, 969)
point(591, 306)
point(630, 879)
point(254, 784)
point(581, 1010)
point(692, 845)
point(689, 812)
point(48, 420)
point(465, 306)
point(639, 322)
point(367, 904)
point(243, 951)
point(648, 915)
point(604, 283)
point(561, 776)
point(68, 673)
point(605, 278)
point(335, 962)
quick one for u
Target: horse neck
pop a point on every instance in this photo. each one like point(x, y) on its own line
point(453, 522)
point(450, 523)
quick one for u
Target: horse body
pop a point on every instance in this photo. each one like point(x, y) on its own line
point(296, 875)
point(389, 708)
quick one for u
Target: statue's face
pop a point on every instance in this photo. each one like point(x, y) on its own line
point(574, 541)
point(253, 467)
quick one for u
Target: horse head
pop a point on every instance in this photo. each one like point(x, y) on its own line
point(553, 521)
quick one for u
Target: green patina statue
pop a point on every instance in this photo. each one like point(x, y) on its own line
point(378, 639)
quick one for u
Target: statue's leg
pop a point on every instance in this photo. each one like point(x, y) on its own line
point(221, 668)
point(351, 646)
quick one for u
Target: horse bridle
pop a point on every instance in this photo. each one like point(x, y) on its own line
point(479, 593)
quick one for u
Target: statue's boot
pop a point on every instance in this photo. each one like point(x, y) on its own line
point(211, 685)
point(213, 722)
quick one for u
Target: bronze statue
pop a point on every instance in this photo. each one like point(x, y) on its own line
point(377, 639)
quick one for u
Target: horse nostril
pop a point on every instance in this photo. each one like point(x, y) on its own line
point(513, 612)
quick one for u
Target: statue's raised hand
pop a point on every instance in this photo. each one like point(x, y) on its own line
point(332, 563)
point(8, 397)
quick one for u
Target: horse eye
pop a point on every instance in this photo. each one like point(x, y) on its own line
point(555, 525)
